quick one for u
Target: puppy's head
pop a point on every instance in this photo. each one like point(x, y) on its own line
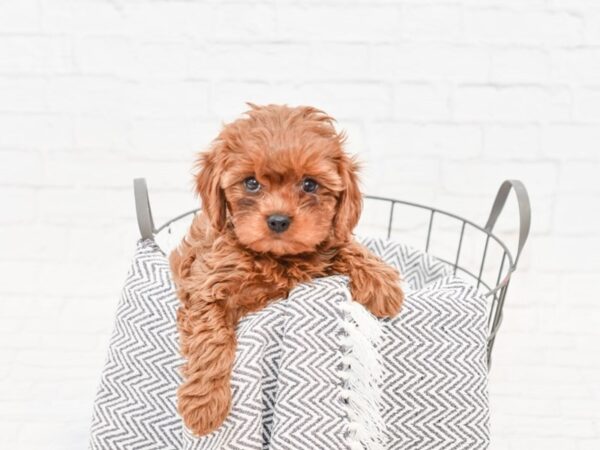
point(281, 175)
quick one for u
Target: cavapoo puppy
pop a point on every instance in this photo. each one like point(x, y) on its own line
point(280, 199)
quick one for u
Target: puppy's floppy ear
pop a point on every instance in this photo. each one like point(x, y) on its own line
point(208, 187)
point(349, 204)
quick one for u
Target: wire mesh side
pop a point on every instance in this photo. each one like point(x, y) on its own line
point(494, 292)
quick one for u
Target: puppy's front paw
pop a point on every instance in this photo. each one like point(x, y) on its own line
point(379, 292)
point(388, 302)
point(204, 406)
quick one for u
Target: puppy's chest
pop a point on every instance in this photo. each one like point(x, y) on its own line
point(291, 273)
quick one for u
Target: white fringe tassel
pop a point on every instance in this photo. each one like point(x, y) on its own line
point(361, 376)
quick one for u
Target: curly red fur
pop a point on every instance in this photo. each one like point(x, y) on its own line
point(231, 263)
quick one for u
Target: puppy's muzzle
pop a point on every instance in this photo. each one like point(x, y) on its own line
point(278, 223)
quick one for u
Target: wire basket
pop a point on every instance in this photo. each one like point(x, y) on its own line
point(491, 274)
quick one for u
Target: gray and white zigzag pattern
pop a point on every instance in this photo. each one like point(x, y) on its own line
point(135, 406)
point(286, 385)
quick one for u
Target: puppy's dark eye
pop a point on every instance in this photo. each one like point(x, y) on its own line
point(309, 185)
point(251, 184)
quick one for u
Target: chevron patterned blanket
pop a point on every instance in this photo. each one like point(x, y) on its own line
point(313, 371)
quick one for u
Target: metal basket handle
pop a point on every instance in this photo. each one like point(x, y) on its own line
point(524, 211)
point(142, 209)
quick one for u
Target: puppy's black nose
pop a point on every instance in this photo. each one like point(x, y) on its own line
point(278, 223)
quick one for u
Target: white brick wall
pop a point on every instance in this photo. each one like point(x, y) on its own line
point(442, 99)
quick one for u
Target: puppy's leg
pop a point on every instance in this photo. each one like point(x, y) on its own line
point(208, 286)
point(208, 344)
point(373, 283)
